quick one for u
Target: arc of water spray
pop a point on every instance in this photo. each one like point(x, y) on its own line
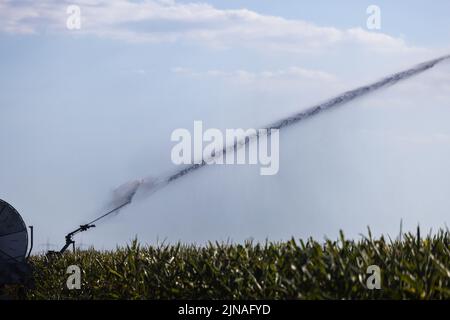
point(130, 189)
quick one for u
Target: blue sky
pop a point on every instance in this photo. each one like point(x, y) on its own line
point(85, 110)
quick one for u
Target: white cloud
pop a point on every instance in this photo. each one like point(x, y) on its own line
point(141, 72)
point(168, 21)
point(292, 73)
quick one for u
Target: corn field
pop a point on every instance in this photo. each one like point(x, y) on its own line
point(413, 267)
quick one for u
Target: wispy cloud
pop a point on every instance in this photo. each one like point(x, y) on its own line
point(169, 21)
point(287, 74)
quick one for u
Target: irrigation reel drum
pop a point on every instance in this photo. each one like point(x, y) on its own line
point(14, 268)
